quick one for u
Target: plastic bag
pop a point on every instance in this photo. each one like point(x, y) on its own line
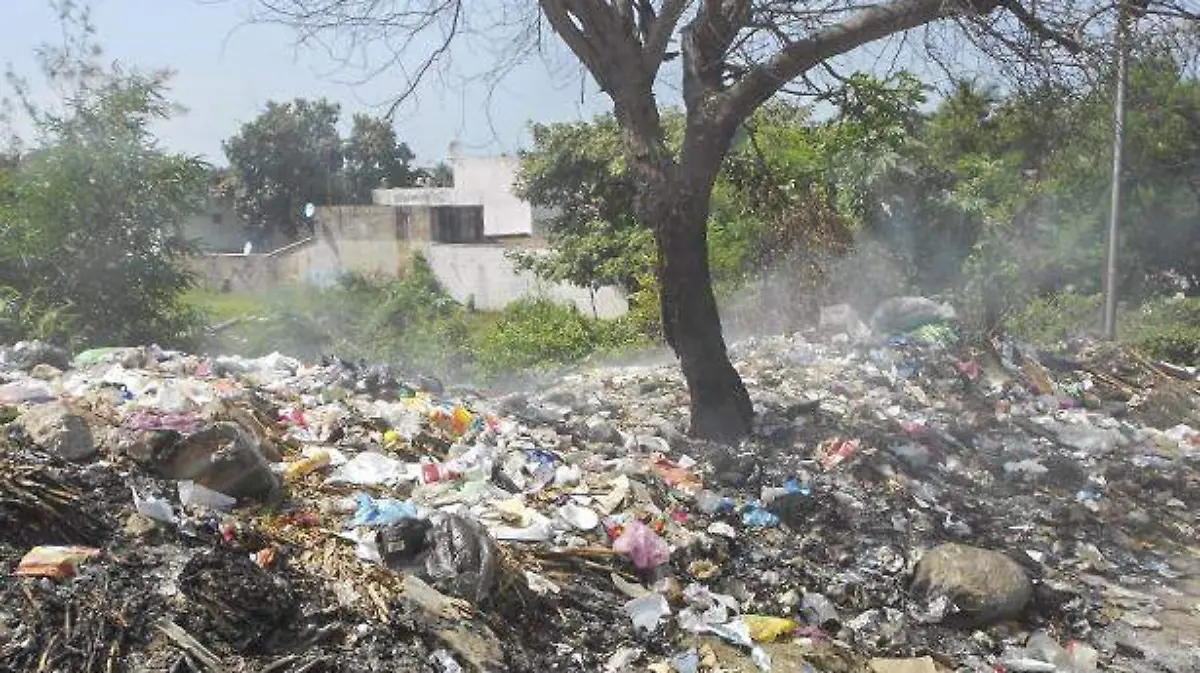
point(648, 611)
point(380, 512)
point(765, 629)
point(642, 546)
point(191, 493)
point(369, 469)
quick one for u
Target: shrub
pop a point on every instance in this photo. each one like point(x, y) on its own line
point(533, 334)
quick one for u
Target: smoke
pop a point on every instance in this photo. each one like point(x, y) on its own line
point(789, 295)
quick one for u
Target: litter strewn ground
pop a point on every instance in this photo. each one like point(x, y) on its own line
point(907, 504)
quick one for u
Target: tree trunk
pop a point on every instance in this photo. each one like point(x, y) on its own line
point(673, 198)
point(720, 406)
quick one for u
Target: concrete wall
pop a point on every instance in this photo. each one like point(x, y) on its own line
point(478, 181)
point(380, 240)
point(235, 272)
point(488, 181)
point(484, 273)
point(216, 228)
point(371, 240)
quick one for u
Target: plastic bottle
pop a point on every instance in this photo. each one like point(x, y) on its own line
point(307, 465)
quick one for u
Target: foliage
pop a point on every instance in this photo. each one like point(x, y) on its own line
point(576, 173)
point(411, 322)
point(1056, 317)
point(1164, 328)
point(374, 159)
point(288, 156)
point(90, 249)
point(536, 333)
point(441, 175)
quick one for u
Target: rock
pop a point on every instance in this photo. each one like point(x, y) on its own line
point(904, 314)
point(138, 526)
point(921, 665)
point(45, 372)
point(599, 429)
point(915, 456)
point(25, 355)
point(476, 645)
point(986, 586)
point(222, 457)
point(57, 429)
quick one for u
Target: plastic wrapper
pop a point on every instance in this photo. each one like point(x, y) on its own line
point(646, 549)
point(369, 469)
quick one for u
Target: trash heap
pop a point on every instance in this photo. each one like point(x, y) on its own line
point(907, 504)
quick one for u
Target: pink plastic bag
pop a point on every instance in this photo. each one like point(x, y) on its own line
point(640, 544)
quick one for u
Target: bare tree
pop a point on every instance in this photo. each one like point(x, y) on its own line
point(736, 55)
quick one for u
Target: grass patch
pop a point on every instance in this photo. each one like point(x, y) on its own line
point(1162, 328)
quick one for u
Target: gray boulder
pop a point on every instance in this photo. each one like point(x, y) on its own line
point(59, 430)
point(841, 318)
point(25, 355)
point(223, 457)
point(985, 586)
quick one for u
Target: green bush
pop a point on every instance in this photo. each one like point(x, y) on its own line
point(1164, 329)
point(413, 323)
point(1056, 317)
point(539, 333)
point(1178, 344)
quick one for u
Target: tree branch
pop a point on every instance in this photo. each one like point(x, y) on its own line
point(581, 44)
point(660, 30)
point(866, 25)
point(707, 40)
point(1039, 28)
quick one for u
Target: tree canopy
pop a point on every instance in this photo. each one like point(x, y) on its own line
point(90, 246)
point(292, 155)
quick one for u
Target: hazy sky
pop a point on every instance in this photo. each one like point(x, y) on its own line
point(227, 71)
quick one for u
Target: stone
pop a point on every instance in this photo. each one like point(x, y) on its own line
point(59, 430)
point(25, 355)
point(223, 457)
point(600, 429)
point(985, 585)
point(138, 526)
point(45, 372)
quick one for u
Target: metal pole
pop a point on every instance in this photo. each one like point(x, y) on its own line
point(1110, 277)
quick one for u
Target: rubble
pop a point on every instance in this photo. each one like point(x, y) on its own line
point(906, 503)
point(59, 430)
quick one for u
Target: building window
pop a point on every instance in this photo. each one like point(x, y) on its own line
point(458, 224)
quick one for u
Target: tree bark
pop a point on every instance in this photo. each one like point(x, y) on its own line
point(675, 200)
point(719, 404)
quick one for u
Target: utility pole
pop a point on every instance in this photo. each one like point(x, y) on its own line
point(1114, 215)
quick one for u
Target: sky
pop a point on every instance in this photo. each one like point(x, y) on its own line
point(226, 71)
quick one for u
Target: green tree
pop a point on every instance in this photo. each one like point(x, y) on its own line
point(90, 248)
point(576, 173)
point(288, 156)
point(734, 57)
point(375, 159)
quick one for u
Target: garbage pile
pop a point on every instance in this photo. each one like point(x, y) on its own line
point(907, 504)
